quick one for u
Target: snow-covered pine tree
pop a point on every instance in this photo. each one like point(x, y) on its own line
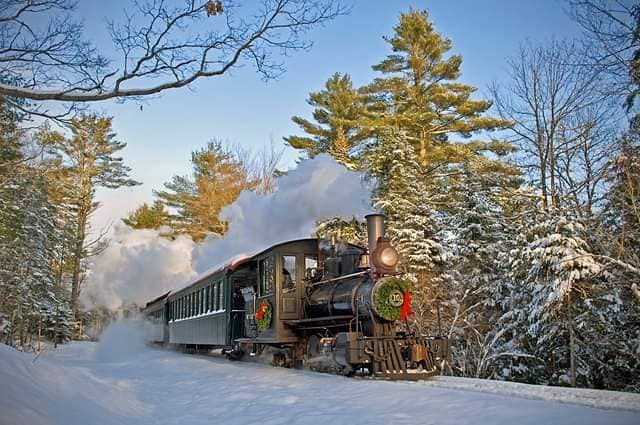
point(480, 235)
point(618, 242)
point(28, 239)
point(412, 222)
point(480, 193)
point(33, 231)
point(555, 276)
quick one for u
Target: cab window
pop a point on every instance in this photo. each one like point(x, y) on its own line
point(288, 271)
point(310, 266)
point(266, 276)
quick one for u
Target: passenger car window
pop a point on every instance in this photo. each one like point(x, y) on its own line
point(207, 298)
point(288, 271)
point(203, 305)
point(221, 295)
point(266, 276)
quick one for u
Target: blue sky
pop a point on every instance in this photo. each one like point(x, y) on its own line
point(241, 108)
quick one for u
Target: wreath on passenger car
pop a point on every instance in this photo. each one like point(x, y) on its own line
point(263, 316)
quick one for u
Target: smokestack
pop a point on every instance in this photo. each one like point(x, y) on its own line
point(375, 229)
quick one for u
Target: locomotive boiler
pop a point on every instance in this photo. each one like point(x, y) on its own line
point(329, 306)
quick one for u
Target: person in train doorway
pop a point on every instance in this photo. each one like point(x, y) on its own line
point(237, 311)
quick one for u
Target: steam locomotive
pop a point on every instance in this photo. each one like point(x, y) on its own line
point(329, 306)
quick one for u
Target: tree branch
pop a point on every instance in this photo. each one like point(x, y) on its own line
point(163, 46)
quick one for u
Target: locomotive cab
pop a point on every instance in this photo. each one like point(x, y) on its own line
point(278, 291)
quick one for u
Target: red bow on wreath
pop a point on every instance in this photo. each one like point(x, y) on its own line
point(405, 311)
point(261, 311)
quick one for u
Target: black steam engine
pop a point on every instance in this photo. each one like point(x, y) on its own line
point(328, 306)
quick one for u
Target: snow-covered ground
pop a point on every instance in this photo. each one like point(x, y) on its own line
point(119, 381)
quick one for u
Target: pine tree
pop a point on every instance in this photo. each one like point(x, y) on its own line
point(480, 234)
point(339, 110)
point(618, 241)
point(558, 270)
point(88, 161)
point(352, 231)
point(412, 221)
point(420, 95)
point(148, 217)
point(28, 237)
point(196, 201)
point(623, 201)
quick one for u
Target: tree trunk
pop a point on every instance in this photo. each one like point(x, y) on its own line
point(39, 333)
point(77, 260)
point(543, 185)
point(572, 352)
point(552, 177)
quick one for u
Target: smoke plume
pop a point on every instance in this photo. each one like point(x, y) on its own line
point(316, 189)
point(140, 265)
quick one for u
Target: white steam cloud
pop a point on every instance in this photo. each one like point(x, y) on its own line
point(316, 189)
point(140, 265)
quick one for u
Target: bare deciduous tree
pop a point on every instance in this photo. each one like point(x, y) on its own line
point(261, 166)
point(613, 38)
point(562, 122)
point(161, 45)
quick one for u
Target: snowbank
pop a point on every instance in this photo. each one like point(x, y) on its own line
point(594, 398)
point(39, 392)
point(85, 383)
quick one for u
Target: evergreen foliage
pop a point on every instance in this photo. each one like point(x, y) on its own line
point(412, 221)
point(381, 301)
point(195, 201)
point(30, 234)
point(352, 231)
point(623, 201)
point(148, 217)
point(527, 286)
point(419, 94)
point(422, 172)
point(338, 112)
point(86, 160)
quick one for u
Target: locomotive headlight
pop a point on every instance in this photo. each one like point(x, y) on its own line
point(385, 257)
point(389, 256)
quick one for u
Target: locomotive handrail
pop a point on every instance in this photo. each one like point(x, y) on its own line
point(340, 278)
